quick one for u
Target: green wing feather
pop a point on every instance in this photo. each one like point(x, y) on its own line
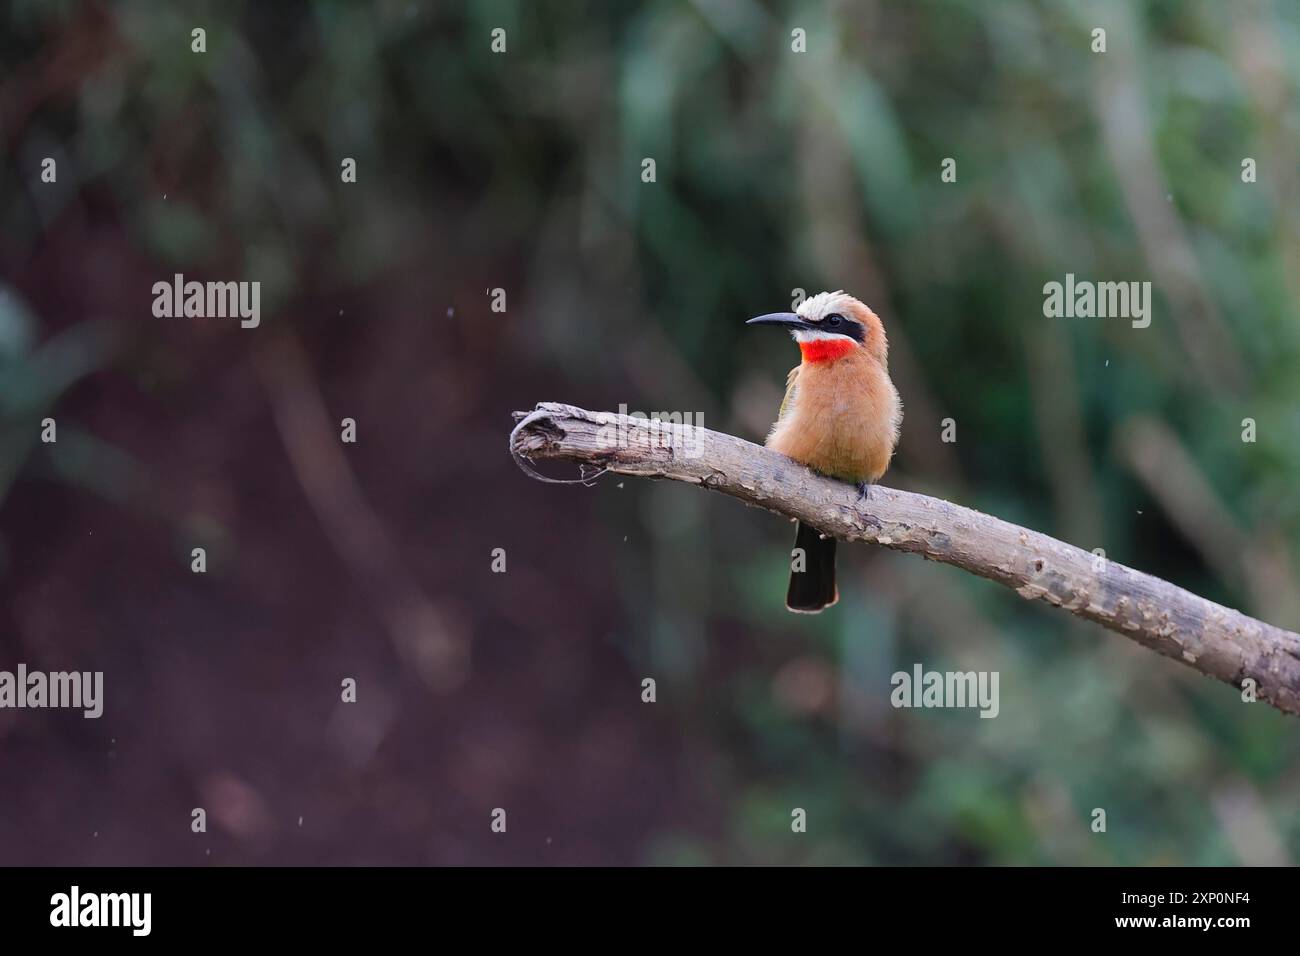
point(791, 386)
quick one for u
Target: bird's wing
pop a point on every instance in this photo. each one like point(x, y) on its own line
point(791, 387)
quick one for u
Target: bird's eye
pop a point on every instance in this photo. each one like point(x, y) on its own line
point(834, 321)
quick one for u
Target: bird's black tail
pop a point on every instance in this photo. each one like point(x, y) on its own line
point(812, 589)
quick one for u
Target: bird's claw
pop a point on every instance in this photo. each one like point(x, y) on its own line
point(864, 491)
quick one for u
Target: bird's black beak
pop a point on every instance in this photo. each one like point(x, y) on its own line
point(786, 320)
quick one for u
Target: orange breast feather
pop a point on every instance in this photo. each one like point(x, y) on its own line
point(843, 418)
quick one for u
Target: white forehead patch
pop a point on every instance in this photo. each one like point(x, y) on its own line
point(821, 305)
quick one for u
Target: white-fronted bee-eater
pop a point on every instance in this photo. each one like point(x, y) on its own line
point(840, 417)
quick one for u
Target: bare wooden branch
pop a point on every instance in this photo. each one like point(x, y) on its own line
point(1215, 640)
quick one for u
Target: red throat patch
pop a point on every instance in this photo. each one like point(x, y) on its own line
point(826, 350)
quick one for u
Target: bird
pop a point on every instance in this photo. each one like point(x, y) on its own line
point(841, 416)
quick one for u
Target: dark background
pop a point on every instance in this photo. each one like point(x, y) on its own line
point(776, 171)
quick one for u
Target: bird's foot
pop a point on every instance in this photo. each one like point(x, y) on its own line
point(864, 490)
